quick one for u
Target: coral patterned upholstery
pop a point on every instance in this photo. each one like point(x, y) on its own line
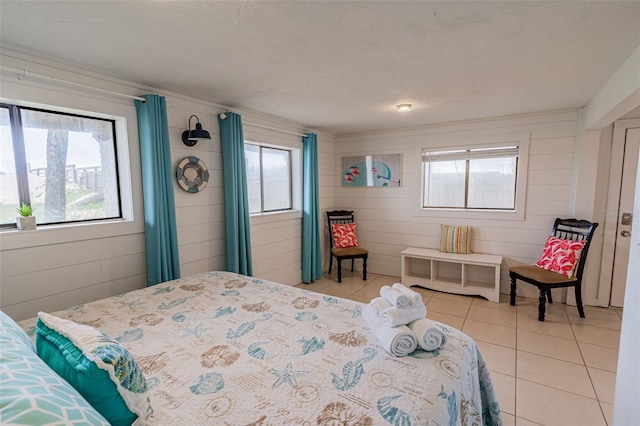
point(561, 256)
point(344, 235)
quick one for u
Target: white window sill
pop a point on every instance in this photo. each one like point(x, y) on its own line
point(260, 218)
point(13, 238)
point(471, 214)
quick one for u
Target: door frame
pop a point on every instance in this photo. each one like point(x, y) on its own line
point(613, 202)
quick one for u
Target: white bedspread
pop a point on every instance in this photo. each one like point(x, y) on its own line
point(220, 348)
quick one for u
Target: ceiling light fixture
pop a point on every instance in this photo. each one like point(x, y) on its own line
point(403, 107)
point(191, 137)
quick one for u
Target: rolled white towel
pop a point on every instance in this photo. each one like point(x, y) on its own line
point(414, 296)
point(393, 296)
point(398, 341)
point(392, 317)
point(430, 336)
point(379, 304)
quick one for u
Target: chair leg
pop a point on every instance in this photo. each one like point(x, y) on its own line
point(541, 307)
point(353, 262)
point(549, 296)
point(364, 269)
point(330, 263)
point(512, 295)
point(579, 300)
point(339, 265)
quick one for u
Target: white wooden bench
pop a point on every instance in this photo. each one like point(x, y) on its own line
point(471, 274)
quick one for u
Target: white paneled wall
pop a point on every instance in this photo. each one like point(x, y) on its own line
point(51, 269)
point(55, 267)
point(199, 216)
point(389, 219)
point(71, 273)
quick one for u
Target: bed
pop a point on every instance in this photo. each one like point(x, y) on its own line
point(221, 348)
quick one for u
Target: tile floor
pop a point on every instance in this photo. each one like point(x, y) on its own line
point(558, 372)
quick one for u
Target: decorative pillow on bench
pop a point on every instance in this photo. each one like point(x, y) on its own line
point(455, 239)
point(99, 367)
point(32, 393)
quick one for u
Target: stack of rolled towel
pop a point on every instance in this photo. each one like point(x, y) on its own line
point(397, 319)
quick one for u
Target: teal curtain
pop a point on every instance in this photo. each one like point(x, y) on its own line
point(311, 254)
point(163, 263)
point(236, 202)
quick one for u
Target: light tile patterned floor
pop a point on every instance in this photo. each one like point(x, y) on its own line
point(558, 372)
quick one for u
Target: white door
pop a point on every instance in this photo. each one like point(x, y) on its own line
point(625, 216)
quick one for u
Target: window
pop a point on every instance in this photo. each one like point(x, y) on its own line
point(483, 178)
point(63, 164)
point(268, 178)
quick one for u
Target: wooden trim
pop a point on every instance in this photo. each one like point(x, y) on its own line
point(613, 201)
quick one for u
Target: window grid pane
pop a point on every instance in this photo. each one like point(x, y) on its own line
point(9, 197)
point(269, 185)
point(445, 184)
point(71, 162)
point(252, 160)
point(276, 179)
point(492, 183)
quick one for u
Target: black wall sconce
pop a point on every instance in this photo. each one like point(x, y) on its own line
point(191, 137)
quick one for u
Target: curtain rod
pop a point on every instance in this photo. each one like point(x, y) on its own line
point(24, 73)
point(273, 128)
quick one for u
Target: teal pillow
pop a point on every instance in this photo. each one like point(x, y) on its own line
point(30, 392)
point(99, 367)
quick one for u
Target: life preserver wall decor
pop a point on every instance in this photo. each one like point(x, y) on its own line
point(192, 174)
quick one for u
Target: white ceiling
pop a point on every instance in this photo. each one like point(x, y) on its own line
point(341, 67)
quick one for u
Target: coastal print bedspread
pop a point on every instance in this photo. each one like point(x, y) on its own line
point(219, 348)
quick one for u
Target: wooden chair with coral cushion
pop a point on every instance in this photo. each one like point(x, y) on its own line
point(561, 264)
point(343, 242)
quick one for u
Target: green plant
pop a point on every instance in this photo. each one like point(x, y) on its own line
point(24, 210)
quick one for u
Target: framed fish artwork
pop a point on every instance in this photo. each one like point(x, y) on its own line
point(372, 170)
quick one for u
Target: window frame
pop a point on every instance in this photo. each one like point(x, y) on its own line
point(123, 111)
point(293, 166)
point(20, 159)
point(468, 155)
point(521, 140)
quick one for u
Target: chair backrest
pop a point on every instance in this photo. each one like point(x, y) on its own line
point(577, 230)
point(336, 217)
